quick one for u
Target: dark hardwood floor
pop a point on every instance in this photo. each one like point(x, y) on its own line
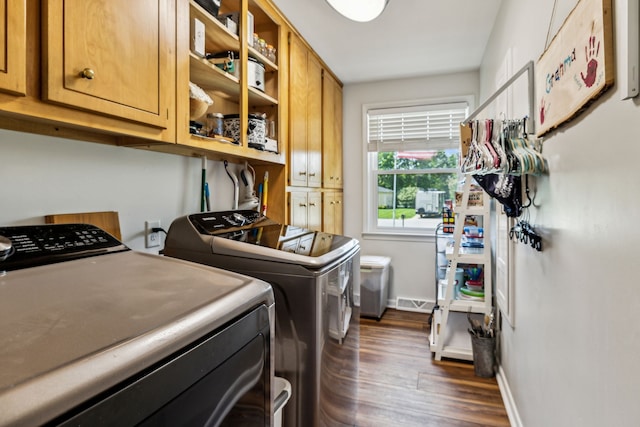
point(395, 381)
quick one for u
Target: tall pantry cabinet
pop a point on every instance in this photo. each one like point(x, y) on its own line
point(315, 146)
point(332, 155)
point(331, 132)
point(305, 115)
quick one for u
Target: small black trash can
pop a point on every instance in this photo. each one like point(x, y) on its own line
point(483, 355)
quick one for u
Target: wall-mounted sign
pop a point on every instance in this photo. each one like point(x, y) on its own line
point(577, 67)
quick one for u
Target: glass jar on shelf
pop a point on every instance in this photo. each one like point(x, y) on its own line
point(271, 53)
point(214, 124)
point(256, 41)
point(262, 47)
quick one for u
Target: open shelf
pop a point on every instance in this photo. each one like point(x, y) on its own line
point(461, 305)
point(217, 37)
point(232, 151)
point(467, 255)
point(211, 78)
point(268, 65)
point(471, 210)
point(259, 98)
point(456, 342)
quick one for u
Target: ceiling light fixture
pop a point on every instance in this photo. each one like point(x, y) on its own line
point(359, 10)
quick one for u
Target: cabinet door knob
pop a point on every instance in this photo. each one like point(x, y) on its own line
point(302, 173)
point(312, 174)
point(312, 204)
point(303, 205)
point(87, 73)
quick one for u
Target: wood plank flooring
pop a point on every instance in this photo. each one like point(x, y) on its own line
point(395, 381)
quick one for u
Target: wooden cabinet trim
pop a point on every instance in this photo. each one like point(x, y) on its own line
point(13, 60)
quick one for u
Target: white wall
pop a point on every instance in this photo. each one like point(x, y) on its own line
point(43, 175)
point(412, 272)
point(572, 357)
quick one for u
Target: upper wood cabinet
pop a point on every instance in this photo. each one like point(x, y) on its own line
point(111, 57)
point(331, 132)
point(305, 115)
point(13, 44)
point(234, 92)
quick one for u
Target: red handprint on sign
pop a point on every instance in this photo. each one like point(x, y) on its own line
point(591, 52)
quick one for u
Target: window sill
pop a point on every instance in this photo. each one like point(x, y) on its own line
point(399, 237)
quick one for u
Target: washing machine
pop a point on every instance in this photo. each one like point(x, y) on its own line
point(312, 275)
point(93, 333)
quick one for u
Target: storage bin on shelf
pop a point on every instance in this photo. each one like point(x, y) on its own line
point(374, 285)
point(458, 282)
point(476, 198)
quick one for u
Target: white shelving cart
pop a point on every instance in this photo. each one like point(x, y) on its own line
point(449, 336)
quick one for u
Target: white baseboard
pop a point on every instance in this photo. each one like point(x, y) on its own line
point(356, 301)
point(507, 398)
point(393, 303)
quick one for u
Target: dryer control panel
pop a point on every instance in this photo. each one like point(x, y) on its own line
point(33, 245)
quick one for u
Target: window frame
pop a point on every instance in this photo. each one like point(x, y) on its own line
point(370, 182)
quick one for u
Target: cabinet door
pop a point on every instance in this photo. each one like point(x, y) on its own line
point(314, 121)
point(112, 57)
point(305, 115)
point(306, 209)
point(331, 132)
point(338, 213)
point(337, 153)
point(327, 211)
point(297, 113)
point(332, 212)
point(13, 46)
point(314, 214)
point(298, 204)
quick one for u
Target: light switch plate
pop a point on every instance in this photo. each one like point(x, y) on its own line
point(197, 37)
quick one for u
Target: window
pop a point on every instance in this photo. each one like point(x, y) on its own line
point(412, 165)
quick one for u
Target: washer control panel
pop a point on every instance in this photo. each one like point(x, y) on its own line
point(211, 222)
point(33, 245)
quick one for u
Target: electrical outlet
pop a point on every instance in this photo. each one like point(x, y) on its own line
point(151, 238)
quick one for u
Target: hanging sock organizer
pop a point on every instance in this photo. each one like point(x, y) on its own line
point(498, 153)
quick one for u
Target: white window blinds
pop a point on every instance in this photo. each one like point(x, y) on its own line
point(422, 127)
